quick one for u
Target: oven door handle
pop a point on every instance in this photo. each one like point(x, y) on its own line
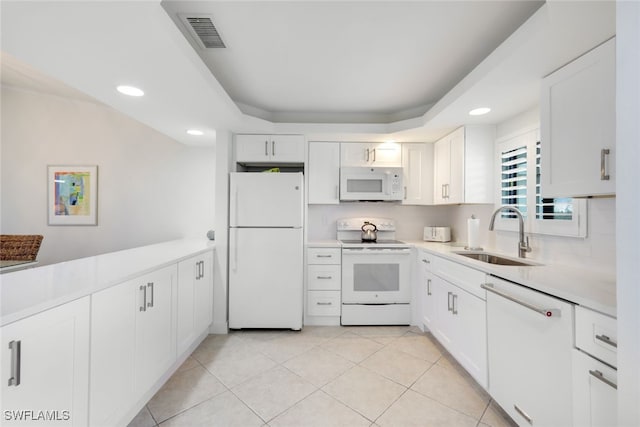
point(376, 251)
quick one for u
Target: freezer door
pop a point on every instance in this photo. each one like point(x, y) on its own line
point(265, 278)
point(266, 199)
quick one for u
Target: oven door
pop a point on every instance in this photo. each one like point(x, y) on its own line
point(376, 275)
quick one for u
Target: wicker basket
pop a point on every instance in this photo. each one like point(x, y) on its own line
point(19, 247)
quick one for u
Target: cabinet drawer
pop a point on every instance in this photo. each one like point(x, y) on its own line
point(324, 256)
point(323, 278)
point(459, 275)
point(597, 335)
point(323, 303)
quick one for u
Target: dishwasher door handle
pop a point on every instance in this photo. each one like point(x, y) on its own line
point(546, 312)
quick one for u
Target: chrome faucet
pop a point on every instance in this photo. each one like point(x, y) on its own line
point(523, 245)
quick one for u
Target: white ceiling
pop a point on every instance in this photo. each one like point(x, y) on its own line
point(362, 70)
point(334, 61)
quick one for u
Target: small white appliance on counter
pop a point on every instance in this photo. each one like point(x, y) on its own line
point(376, 285)
point(437, 234)
point(265, 250)
point(366, 183)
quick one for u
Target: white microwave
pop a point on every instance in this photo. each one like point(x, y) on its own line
point(371, 183)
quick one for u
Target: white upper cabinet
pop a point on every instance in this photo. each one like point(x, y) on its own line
point(370, 154)
point(270, 149)
point(463, 166)
point(323, 173)
point(578, 118)
point(417, 165)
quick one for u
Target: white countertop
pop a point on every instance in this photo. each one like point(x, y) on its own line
point(324, 244)
point(27, 292)
point(578, 285)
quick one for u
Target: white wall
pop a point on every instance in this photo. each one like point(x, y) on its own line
point(150, 188)
point(410, 220)
point(628, 199)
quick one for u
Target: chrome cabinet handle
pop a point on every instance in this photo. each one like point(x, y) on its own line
point(597, 374)
point(199, 270)
point(546, 312)
point(324, 303)
point(442, 191)
point(266, 148)
point(273, 148)
point(374, 155)
point(524, 414)
point(143, 307)
point(447, 192)
point(405, 192)
point(150, 303)
point(603, 167)
point(454, 304)
point(428, 286)
point(605, 339)
point(449, 304)
point(324, 256)
point(367, 154)
point(14, 379)
point(324, 277)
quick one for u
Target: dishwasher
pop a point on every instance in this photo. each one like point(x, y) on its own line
point(530, 342)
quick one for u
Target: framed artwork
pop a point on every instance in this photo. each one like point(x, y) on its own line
point(73, 195)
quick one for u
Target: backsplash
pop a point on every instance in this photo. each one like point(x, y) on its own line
point(596, 252)
point(410, 220)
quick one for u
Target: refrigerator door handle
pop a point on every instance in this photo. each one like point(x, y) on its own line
point(235, 250)
point(235, 204)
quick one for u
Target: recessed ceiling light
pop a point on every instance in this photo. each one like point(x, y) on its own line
point(195, 132)
point(130, 90)
point(479, 111)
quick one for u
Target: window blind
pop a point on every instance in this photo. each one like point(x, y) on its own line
point(547, 208)
point(513, 180)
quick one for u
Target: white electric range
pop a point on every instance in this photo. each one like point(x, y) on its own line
point(376, 286)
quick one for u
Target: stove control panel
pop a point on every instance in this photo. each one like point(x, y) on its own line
point(355, 224)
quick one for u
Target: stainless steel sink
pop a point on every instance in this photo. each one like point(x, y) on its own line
point(497, 259)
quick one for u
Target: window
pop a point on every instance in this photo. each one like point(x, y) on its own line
point(519, 163)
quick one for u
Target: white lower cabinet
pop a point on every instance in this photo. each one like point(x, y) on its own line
point(133, 343)
point(460, 326)
point(324, 272)
point(595, 378)
point(45, 368)
point(454, 311)
point(595, 401)
point(195, 299)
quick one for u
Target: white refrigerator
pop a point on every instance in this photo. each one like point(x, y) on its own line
point(265, 250)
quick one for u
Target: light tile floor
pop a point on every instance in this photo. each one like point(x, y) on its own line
point(321, 376)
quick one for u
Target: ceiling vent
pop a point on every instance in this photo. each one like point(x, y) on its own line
point(203, 31)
